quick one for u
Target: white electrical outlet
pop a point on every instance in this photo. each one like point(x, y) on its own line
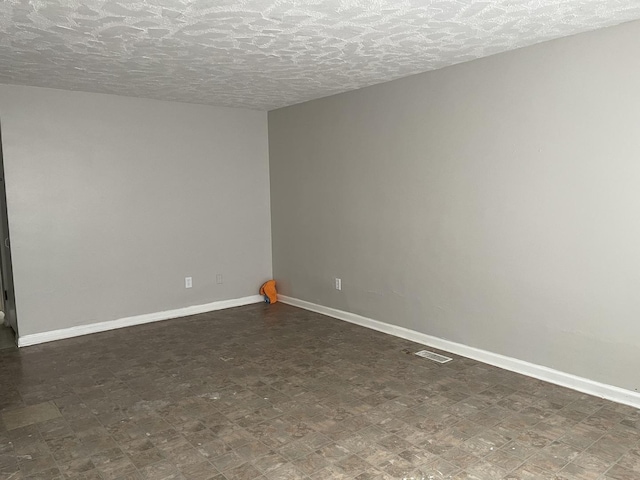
point(338, 284)
point(219, 279)
point(188, 282)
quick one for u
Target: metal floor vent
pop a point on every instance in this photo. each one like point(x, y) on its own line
point(436, 357)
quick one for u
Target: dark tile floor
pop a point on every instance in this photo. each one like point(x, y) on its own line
point(274, 392)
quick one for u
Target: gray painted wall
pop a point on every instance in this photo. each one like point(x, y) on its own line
point(114, 200)
point(495, 203)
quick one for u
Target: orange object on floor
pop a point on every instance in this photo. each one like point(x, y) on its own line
point(268, 289)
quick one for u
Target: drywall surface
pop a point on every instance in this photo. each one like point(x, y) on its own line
point(495, 203)
point(113, 201)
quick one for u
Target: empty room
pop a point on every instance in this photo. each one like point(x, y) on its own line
point(320, 239)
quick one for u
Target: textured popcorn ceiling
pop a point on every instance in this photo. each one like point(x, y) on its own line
point(266, 54)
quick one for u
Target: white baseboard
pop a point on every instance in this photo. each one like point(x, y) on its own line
point(584, 385)
point(52, 335)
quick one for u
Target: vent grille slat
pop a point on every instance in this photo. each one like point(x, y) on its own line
point(436, 357)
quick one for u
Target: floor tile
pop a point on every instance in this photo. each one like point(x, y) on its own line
point(270, 392)
point(22, 417)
